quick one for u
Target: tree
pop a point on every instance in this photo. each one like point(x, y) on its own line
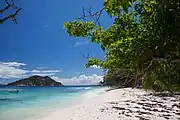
point(9, 6)
point(144, 39)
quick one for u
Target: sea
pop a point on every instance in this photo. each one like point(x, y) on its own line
point(31, 103)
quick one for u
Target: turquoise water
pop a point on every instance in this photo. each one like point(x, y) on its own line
point(32, 103)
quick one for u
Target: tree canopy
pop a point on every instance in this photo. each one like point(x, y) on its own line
point(143, 39)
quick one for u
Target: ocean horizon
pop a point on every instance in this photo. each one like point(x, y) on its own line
point(31, 103)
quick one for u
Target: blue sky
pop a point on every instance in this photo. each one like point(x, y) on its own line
point(40, 41)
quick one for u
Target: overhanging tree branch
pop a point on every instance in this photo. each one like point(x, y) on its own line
point(89, 14)
point(9, 4)
point(12, 17)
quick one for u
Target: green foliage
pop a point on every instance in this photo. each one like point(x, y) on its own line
point(144, 38)
point(79, 28)
point(113, 7)
point(36, 81)
point(94, 61)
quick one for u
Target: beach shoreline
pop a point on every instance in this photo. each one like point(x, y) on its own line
point(121, 104)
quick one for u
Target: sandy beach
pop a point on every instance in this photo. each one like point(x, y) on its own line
point(121, 104)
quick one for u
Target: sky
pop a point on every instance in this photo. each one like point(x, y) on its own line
point(39, 44)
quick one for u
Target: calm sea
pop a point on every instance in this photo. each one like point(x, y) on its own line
point(32, 103)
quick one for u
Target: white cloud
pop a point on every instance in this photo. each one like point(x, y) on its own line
point(45, 71)
point(9, 70)
point(95, 66)
point(80, 80)
point(13, 64)
point(65, 81)
point(80, 43)
point(12, 70)
point(43, 74)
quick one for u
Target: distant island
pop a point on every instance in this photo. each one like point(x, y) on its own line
point(36, 81)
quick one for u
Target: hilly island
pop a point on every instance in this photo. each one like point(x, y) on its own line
point(36, 81)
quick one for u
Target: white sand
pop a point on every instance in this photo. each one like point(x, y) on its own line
point(121, 104)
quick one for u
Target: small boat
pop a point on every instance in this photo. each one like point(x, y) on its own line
point(13, 91)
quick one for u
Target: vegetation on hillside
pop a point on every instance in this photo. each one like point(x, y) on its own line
point(36, 81)
point(143, 40)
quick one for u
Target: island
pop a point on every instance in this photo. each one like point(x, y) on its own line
point(36, 81)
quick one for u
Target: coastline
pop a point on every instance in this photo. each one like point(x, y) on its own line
point(121, 104)
point(32, 103)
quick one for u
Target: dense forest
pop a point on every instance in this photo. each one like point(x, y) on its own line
point(142, 46)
